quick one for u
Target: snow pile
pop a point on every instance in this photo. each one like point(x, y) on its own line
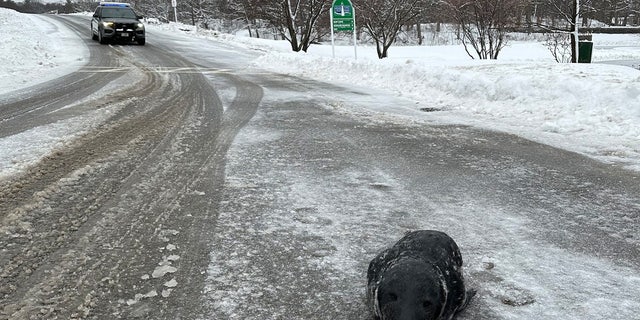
point(43, 51)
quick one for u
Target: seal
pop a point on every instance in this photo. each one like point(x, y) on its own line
point(418, 278)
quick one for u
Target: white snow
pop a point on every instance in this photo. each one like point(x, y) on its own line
point(44, 51)
point(139, 296)
point(171, 283)
point(173, 257)
point(161, 270)
point(166, 293)
point(593, 109)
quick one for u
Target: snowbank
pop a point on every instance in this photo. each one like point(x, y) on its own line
point(44, 51)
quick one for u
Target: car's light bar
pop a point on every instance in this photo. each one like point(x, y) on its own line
point(114, 4)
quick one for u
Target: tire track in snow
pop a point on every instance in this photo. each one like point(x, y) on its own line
point(146, 182)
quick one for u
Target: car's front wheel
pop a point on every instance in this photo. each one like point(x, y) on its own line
point(140, 41)
point(94, 36)
point(101, 38)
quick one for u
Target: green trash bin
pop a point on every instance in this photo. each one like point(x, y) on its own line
point(585, 48)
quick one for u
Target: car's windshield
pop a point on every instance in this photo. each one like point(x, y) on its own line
point(118, 13)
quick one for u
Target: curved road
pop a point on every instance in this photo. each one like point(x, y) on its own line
point(80, 228)
point(218, 191)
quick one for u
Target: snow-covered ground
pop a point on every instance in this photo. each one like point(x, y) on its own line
point(593, 108)
point(44, 51)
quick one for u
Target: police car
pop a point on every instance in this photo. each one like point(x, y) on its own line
point(116, 21)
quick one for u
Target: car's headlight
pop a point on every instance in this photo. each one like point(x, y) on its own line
point(107, 24)
point(140, 26)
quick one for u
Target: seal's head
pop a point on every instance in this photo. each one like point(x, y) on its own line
point(410, 289)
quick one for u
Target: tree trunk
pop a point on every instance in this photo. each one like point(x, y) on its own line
point(248, 25)
point(385, 49)
point(291, 27)
point(574, 34)
point(379, 49)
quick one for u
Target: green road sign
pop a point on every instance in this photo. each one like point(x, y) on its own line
point(342, 13)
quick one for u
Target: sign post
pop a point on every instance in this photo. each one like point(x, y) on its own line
point(174, 4)
point(343, 18)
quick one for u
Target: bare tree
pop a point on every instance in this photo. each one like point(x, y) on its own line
point(85, 5)
point(383, 19)
point(616, 12)
point(198, 11)
point(569, 14)
point(296, 20)
point(484, 23)
point(158, 9)
point(559, 44)
point(248, 10)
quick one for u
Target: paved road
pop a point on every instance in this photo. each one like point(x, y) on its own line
point(219, 191)
point(135, 197)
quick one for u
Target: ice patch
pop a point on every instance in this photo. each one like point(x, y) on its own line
point(166, 293)
point(171, 283)
point(164, 234)
point(139, 296)
point(160, 271)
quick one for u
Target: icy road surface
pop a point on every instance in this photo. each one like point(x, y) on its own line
point(214, 190)
point(312, 194)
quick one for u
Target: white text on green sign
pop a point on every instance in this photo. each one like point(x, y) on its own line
point(342, 12)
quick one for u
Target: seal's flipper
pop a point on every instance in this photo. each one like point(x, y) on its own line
point(467, 299)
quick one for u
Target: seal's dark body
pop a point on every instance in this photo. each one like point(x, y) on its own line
point(418, 278)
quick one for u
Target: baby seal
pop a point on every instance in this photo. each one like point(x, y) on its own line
point(418, 278)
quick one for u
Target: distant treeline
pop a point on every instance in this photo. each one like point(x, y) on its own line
point(29, 6)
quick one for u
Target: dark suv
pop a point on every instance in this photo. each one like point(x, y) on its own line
point(116, 21)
